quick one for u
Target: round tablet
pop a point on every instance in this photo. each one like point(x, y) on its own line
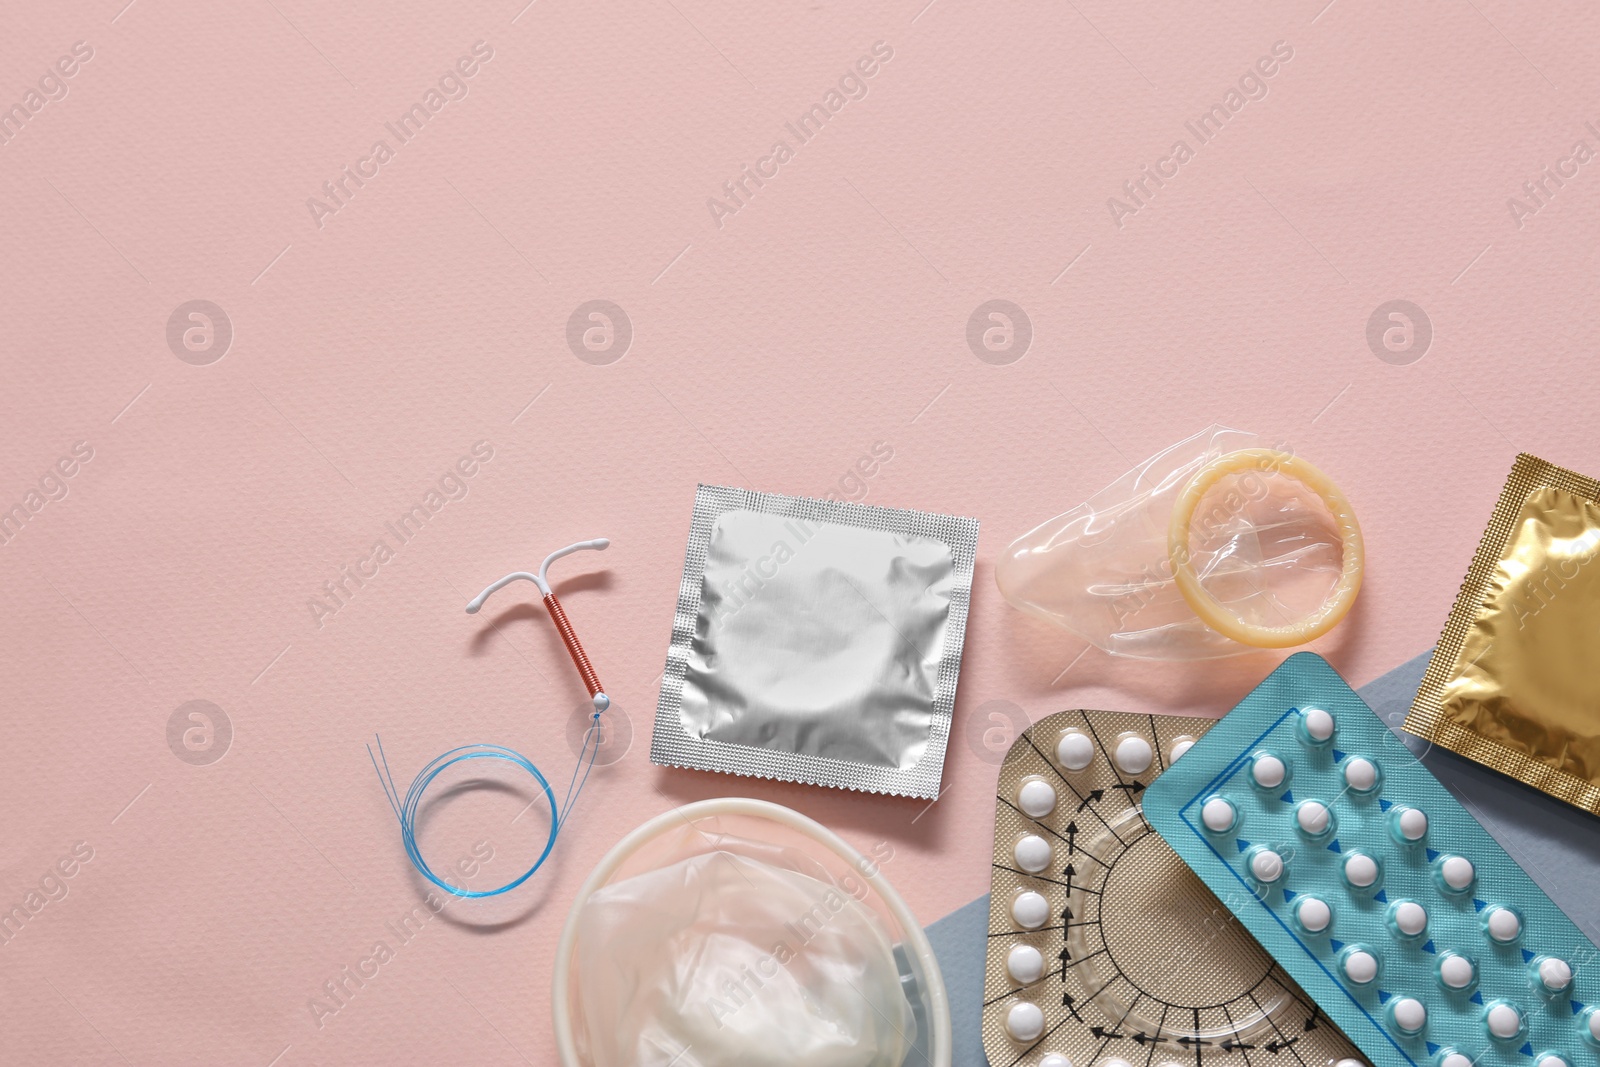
point(1180, 747)
point(1456, 971)
point(1360, 774)
point(1409, 1015)
point(1313, 817)
point(1455, 1059)
point(1266, 865)
point(1503, 1020)
point(1055, 1059)
point(1218, 815)
point(1268, 771)
point(1456, 871)
point(1032, 853)
point(1412, 823)
point(1024, 964)
point(1314, 914)
point(1134, 755)
point(1550, 1059)
point(1504, 926)
point(1024, 1022)
point(1030, 910)
point(1037, 798)
point(1594, 1025)
point(1555, 974)
point(1360, 966)
point(1360, 869)
point(1410, 918)
point(1319, 724)
point(1356, 1063)
point(1075, 751)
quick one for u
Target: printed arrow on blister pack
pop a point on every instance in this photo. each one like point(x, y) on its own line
point(1094, 794)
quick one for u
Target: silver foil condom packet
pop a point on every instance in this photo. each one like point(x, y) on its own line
point(816, 641)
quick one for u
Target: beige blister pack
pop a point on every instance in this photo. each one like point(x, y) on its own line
point(1105, 950)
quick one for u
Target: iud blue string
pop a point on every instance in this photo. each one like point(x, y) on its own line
point(406, 808)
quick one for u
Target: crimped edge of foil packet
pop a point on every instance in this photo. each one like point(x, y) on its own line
point(1428, 718)
point(671, 746)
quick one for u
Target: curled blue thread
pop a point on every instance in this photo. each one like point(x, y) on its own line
point(405, 808)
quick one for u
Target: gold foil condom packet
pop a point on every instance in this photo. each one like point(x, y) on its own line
point(1513, 682)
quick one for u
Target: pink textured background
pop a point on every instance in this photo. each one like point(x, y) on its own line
point(827, 315)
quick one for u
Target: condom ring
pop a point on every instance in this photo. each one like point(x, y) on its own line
point(1210, 610)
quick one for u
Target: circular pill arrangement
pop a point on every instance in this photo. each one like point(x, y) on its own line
point(1387, 898)
point(1103, 947)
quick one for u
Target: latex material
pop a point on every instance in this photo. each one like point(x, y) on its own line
point(776, 837)
point(1223, 618)
point(725, 959)
point(1262, 545)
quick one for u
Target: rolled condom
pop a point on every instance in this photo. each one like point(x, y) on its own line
point(724, 959)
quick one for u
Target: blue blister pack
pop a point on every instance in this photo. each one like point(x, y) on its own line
point(1373, 887)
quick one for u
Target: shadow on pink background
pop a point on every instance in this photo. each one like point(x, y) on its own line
point(419, 318)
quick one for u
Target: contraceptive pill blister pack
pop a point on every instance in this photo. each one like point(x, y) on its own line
point(1374, 887)
point(1104, 949)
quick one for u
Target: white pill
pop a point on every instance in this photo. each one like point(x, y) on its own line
point(1363, 1063)
point(1360, 869)
point(1032, 853)
point(1075, 751)
point(1504, 1021)
point(1409, 1014)
point(1550, 1059)
point(1413, 824)
point(1314, 914)
point(1030, 910)
point(1360, 774)
point(1410, 918)
point(1025, 964)
point(1218, 815)
point(1555, 974)
point(1180, 747)
point(1504, 926)
point(1594, 1025)
point(1266, 865)
point(1455, 1059)
point(1037, 798)
point(1457, 872)
point(1268, 771)
point(1319, 724)
point(1456, 972)
point(1134, 755)
point(1360, 967)
point(1312, 816)
point(1024, 1022)
point(1055, 1059)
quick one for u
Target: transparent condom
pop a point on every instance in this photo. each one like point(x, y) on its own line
point(737, 931)
point(1209, 549)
